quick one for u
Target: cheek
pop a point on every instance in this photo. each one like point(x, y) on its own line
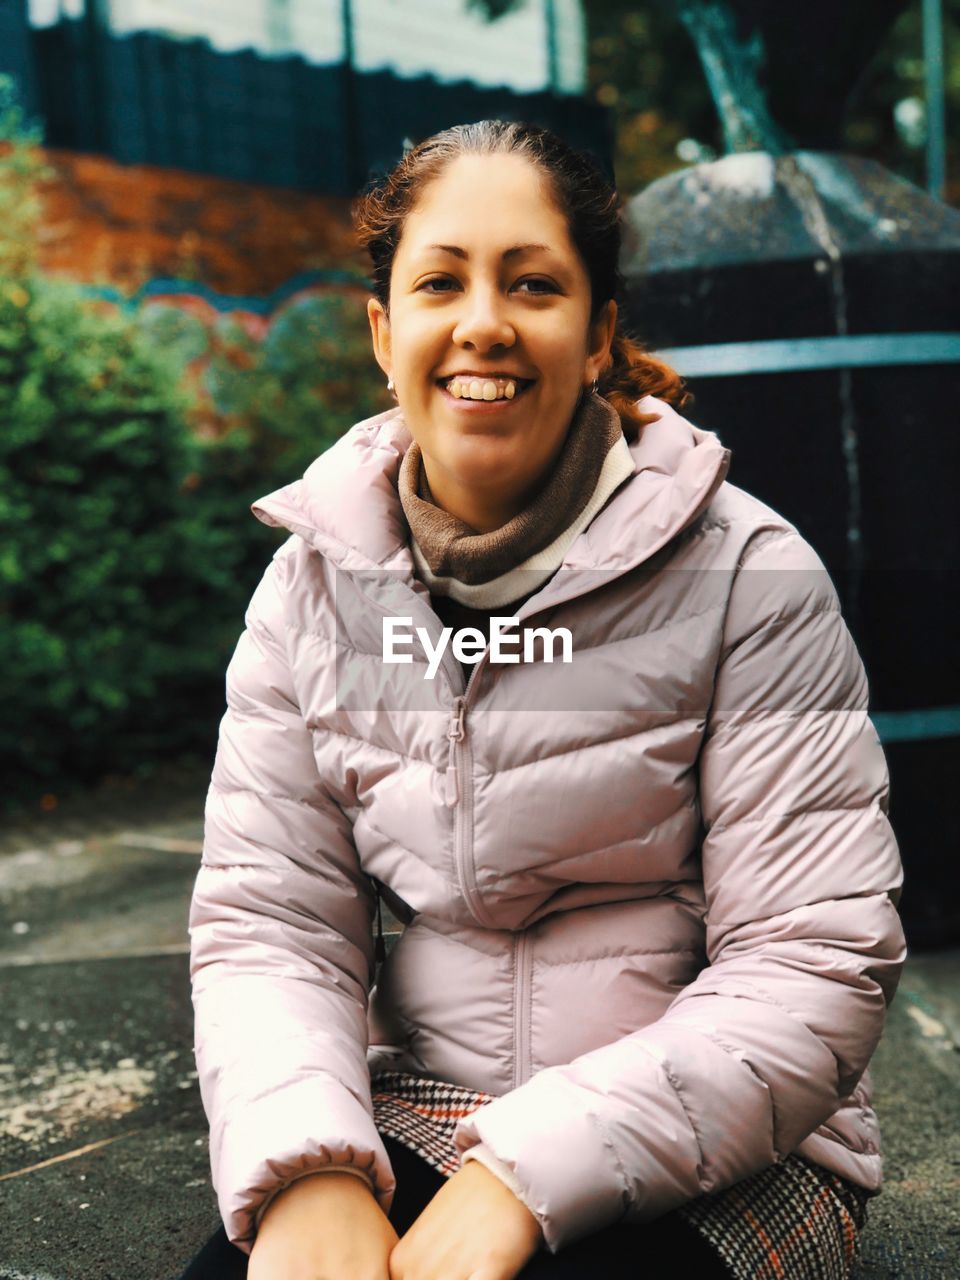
point(559, 340)
point(414, 339)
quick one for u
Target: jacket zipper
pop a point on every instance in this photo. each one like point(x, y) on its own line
point(456, 732)
point(458, 791)
point(521, 984)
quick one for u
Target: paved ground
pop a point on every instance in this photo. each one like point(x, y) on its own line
point(103, 1151)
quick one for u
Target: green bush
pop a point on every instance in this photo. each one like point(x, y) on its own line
point(110, 652)
point(131, 446)
point(127, 548)
point(262, 407)
point(290, 388)
point(107, 641)
point(20, 171)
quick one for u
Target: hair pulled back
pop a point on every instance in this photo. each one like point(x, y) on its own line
point(583, 195)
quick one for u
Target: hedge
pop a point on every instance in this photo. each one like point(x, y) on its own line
point(132, 443)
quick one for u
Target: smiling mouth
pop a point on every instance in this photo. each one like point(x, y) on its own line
point(486, 391)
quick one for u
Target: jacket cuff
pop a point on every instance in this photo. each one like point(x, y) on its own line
point(485, 1156)
point(307, 1173)
point(567, 1206)
point(304, 1128)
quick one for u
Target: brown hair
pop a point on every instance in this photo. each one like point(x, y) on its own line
point(587, 200)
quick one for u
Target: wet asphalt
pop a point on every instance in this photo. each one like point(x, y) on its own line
point(103, 1144)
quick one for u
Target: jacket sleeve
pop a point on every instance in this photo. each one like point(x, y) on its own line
point(801, 873)
point(281, 946)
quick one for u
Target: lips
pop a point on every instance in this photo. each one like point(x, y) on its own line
point(522, 383)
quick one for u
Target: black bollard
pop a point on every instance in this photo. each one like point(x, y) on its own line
point(813, 302)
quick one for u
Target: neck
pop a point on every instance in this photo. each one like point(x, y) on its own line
point(592, 461)
point(483, 508)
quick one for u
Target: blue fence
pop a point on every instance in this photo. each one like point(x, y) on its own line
point(146, 98)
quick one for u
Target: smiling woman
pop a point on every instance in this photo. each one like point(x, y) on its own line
point(650, 928)
point(485, 309)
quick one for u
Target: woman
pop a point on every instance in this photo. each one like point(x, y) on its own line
point(646, 871)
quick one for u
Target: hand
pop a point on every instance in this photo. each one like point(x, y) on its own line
point(474, 1228)
point(325, 1226)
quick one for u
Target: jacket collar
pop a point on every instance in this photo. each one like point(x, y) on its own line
point(346, 505)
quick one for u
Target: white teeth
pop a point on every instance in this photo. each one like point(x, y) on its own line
point(482, 388)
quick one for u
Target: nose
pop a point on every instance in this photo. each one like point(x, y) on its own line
point(484, 321)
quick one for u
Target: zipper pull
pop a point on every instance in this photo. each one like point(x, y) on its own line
point(456, 732)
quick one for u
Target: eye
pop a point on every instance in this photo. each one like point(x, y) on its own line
point(546, 286)
point(538, 285)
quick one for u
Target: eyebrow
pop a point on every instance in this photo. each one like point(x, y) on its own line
point(507, 253)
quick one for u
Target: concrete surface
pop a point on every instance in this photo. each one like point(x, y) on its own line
point(103, 1146)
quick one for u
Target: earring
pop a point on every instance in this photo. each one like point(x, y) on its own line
point(389, 384)
point(596, 384)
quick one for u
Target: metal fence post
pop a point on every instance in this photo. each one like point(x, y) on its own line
point(553, 70)
point(936, 102)
point(351, 123)
point(96, 30)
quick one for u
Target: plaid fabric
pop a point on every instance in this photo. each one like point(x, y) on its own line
point(793, 1221)
point(422, 1114)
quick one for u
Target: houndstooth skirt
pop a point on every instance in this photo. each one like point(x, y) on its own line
point(793, 1220)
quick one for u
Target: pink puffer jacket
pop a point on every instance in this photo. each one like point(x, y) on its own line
point(650, 893)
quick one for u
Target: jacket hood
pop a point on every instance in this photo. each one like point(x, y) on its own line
point(346, 504)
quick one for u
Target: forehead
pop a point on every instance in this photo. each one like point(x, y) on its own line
point(480, 203)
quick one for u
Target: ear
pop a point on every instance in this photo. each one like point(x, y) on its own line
point(380, 333)
point(601, 340)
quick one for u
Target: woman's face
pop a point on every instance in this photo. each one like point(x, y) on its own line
point(487, 283)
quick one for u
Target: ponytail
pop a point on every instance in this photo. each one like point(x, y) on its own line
point(634, 374)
